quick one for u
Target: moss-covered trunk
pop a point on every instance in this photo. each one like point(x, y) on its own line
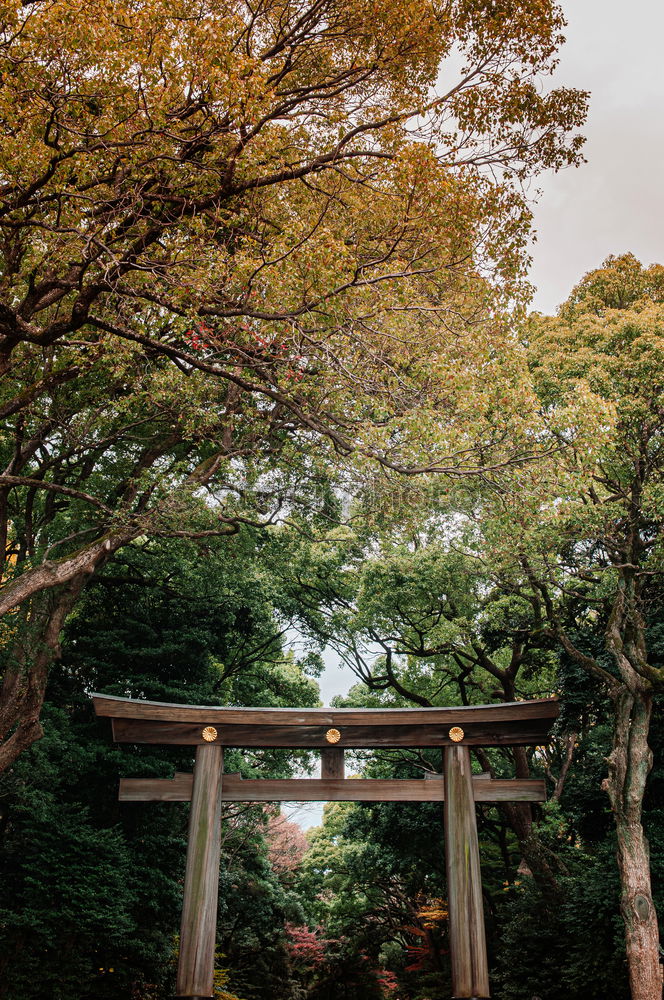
point(629, 765)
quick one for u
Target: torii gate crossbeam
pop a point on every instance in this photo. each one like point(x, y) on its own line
point(210, 729)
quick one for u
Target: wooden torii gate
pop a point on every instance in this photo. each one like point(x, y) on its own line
point(331, 730)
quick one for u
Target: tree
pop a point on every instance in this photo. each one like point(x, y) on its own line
point(365, 890)
point(93, 888)
point(573, 542)
point(214, 219)
point(287, 845)
point(421, 622)
point(582, 538)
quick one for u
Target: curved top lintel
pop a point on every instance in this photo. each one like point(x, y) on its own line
point(506, 712)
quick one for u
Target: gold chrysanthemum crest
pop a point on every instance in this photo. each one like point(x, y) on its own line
point(333, 736)
point(209, 734)
point(456, 734)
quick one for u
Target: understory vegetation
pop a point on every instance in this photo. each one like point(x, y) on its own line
point(357, 908)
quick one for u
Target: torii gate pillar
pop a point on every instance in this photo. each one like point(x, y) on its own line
point(198, 929)
point(470, 973)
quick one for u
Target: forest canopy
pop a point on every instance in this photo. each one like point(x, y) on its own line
point(268, 370)
point(237, 242)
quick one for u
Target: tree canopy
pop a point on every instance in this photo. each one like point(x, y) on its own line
point(236, 239)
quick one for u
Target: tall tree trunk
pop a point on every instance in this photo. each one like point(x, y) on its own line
point(629, 765)
point(34, 647)
point(43, 597)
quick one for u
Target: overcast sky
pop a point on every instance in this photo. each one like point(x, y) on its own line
point(615, 202)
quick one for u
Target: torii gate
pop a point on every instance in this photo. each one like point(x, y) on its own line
point(331, 730)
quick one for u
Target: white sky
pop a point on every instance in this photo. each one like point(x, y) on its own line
point(615, 202)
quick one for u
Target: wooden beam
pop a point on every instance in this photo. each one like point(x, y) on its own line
point(198, 929)
point(470, 975)
point(176, 789)
point(129, 708)
point(518, 732)
point(238, 789)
